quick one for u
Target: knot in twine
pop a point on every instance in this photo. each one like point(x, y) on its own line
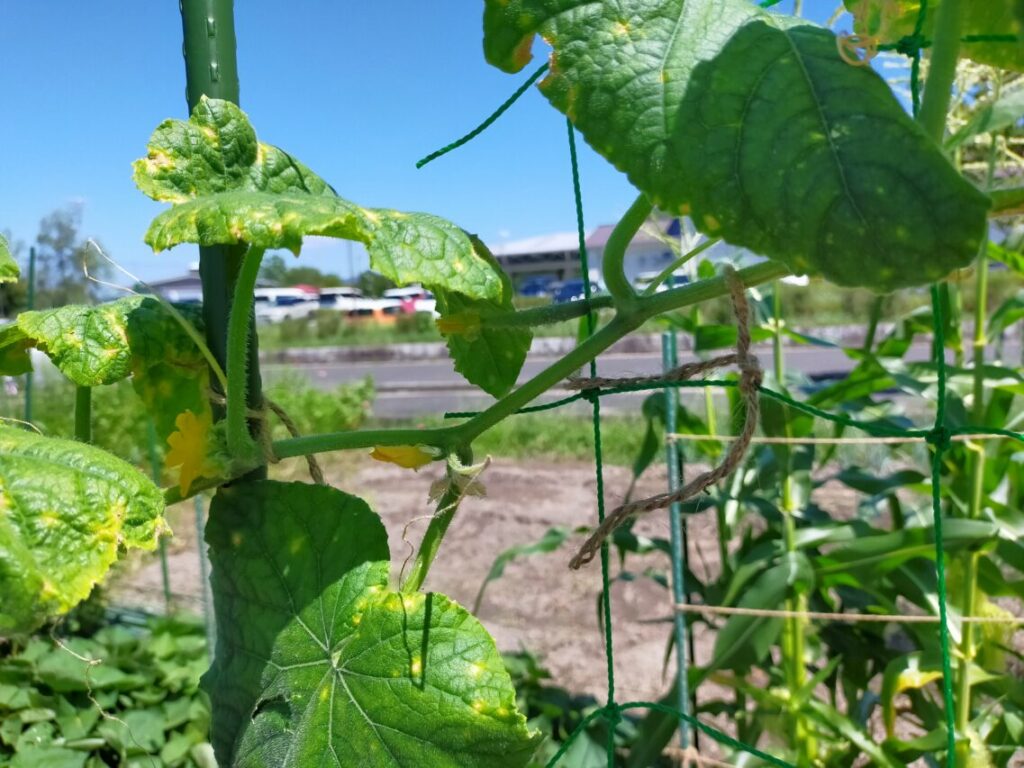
point(749, 384)
point(940, 437)
point(910, 45)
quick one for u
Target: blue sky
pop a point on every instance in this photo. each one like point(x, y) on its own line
point(357, 90)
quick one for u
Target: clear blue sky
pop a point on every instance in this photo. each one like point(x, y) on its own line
point(357, 90)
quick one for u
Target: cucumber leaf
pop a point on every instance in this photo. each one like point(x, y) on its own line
point(9, 272)
point(89, 344)
point(66, 510)
point(103, 344)
point(229, 188)
point(14, 347)
point(892, 20)
point(752, 123)
point(487, 355)
point(318, 662)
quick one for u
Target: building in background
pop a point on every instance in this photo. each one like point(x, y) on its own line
point(557, 256)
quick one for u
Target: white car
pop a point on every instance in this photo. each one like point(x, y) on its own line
point(272, 305)
point(343, 298)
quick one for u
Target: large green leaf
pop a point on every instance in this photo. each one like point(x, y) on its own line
point(891, 20)
point(66, 509)
point(318, 662)
point(229, 188)
point(486, 353)
point(753, 124)
point(9, 271)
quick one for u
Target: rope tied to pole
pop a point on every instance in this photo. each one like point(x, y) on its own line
point(749, 386)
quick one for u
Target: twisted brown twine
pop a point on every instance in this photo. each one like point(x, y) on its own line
point(750, 381)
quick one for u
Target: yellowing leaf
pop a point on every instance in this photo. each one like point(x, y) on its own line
point(408, 456)
point(66, 512)
point(190, 449)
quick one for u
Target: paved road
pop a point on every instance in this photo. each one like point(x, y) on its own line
point(417, 388)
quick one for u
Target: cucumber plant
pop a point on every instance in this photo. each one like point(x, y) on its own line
point(752, 123)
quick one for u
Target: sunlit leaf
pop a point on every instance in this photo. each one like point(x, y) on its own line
point(229, 188)
point(752, 123)
point(318, 662)
point(66, 510)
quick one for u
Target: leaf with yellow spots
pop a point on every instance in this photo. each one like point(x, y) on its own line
point(103, 344)
point(752, 122)
point(192, 449)
point(66, 512)
point(318, 662)
point(9, 271)
point(89, 344)
point(226, 188)
point(407, 456)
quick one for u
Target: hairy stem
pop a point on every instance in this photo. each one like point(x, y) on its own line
point(83, 414)
point(615, 252)
point(239, 331)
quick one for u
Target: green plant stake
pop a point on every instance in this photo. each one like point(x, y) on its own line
point(669, 360)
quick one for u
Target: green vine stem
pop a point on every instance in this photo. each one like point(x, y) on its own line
point(667, 272)
point(448, 438)
point(239, 331)
point(793, 646)
point(615, 252)
point(548, 314)
point(938, 88)
point(83, 414)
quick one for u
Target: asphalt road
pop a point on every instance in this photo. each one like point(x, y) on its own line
point(417, 388)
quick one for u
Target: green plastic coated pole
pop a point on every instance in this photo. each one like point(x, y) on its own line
point(211, 70)
point(83, 414)
point(30, 305)
point(669, 360)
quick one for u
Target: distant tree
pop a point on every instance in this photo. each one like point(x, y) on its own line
point(62, 259)
point(312, 276)
point(274, 269)
point(373, 283)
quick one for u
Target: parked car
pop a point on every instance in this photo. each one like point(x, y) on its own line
point(536, 287)
point(272, 305)
point(571, 290)
point(343, 298)
point(413, 298)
